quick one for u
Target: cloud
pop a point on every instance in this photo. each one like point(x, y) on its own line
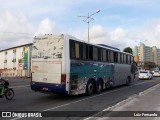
point(118, 34)
point(47, 27)
point(15, 28)
point(16, 23)
point(151, 33)
point(97, 31)
point(97, 34)
point(42, 18)
point(100, 35)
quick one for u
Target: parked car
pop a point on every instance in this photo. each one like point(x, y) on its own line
point(145, 75)
point(156, 73)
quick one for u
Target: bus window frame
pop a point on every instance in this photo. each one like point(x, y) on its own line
point(84, 57)
point(95, 57)
point(104, 55)
point(73, 43)
point(111, 56)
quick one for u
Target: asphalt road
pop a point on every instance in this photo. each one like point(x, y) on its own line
point(27, 100)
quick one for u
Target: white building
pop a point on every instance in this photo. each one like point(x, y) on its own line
point(16, 61)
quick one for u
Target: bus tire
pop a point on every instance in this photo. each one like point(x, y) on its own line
point(90, 87)
point(99, 87)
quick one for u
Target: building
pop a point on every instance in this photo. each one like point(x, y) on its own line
point(136, 57)
point(16, 61)
point(156, 55)
point(145, 53)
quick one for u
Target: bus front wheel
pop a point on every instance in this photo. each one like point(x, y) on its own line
point(90, 88)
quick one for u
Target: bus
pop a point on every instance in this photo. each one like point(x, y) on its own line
point(63, 64)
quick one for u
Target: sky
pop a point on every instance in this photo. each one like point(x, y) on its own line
point(120, 23)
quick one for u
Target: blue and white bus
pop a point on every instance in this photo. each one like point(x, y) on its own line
point(63, 64)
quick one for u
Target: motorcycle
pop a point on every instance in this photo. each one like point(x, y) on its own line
point(7, 91)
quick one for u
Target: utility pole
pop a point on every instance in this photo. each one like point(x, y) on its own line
point(89, 19)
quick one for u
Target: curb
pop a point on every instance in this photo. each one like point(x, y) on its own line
point(119, 104)
point(149, 90)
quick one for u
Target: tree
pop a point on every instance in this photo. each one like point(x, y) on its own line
point(128, 50)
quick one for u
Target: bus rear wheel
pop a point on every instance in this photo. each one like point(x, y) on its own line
point(99, 87)
point(90, 88)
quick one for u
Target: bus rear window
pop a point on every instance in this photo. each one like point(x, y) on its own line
point(45, 47)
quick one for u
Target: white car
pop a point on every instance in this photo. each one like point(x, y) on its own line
point(156, 73)
point(145, 75)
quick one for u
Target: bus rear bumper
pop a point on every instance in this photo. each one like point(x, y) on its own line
point(49, 88)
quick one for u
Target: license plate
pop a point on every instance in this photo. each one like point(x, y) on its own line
point(45, 88)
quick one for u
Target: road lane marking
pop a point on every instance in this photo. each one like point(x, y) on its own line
point(91, 97)
point(123, 102)
point(63, 105)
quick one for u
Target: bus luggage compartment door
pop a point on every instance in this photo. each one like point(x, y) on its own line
point(46, 71)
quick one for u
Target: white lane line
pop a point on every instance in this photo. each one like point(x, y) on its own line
point(121, 103)
point(63, 105)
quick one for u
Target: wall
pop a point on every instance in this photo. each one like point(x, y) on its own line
point(18, 61)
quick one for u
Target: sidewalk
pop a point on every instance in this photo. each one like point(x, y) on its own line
point(147, 101)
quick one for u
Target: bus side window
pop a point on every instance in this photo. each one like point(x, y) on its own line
point(129, 61)
point(100, 54)
point(111, 56)
point(95, 53)
point(104, 55)
point(107, 56)
point(84, 51)
point(124, 59)
point(77, 50)
point(115, 55)
point(72, 49)
point(87, 52)
point(91, 52)
point(119, 58)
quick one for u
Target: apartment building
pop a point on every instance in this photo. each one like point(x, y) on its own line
point(16, 61)
point(145, 53)
point(156, 55)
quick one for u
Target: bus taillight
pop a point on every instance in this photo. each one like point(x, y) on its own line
point(63, 79)
point(31, 79)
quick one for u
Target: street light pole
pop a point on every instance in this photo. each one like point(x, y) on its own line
point(89, 19)
point(88, 26)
